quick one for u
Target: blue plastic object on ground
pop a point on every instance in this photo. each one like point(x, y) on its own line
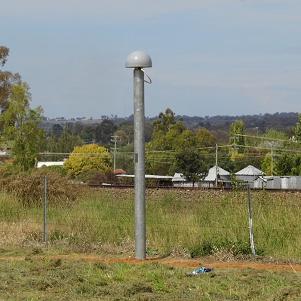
point(199, 271)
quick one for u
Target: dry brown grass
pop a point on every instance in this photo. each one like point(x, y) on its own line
point(18, 233)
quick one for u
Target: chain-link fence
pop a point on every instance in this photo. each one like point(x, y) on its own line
point(187, 221)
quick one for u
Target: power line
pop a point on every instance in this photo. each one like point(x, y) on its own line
point(267, 138)
point(268, 149)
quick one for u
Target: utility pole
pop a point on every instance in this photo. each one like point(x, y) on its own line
point(272, 161)
point(138, 60)
point(114, 140)
point(216, 166)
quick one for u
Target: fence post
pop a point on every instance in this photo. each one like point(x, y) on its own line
point(251, 228)
point(45, 225)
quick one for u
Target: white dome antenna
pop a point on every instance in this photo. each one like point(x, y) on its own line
point(138, 59)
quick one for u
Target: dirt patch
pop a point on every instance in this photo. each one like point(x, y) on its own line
point(175, 262)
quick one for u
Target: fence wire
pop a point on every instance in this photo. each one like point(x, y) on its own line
point(187, 219)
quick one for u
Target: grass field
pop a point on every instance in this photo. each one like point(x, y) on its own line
point(42, 278)
point(180, 224)
point(187, 223)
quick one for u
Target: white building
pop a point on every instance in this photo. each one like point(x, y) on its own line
point(249, 174)
point(49, 163)
point(216, 172)
point(278, 182)
point(179, 180)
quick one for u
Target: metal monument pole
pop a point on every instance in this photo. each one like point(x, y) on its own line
point(138, 60)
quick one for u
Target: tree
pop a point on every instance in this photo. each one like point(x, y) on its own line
point(165, 131)
point(165, 140)
point(274, 139)
point(57, 130)
point(128, 129)
point(236, 132)
point(285, 165)
point(165, 121)
point(7, 79)
point(88, 134)
point(86, 158)
point(104, 131)
point(204, 138)
point(192, 164)
point(65, 143)
point(297, 129)
point(237, 128)
point(170, 137)
point(21, 129)
point(267, 165)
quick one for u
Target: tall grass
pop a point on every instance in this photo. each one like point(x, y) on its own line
point(190, 222)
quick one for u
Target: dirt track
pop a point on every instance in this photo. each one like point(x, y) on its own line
point(176, 262)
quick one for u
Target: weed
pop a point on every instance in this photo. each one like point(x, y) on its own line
point(57, 263)
point(138, 288)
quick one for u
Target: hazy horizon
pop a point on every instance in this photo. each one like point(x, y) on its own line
point(177, 114)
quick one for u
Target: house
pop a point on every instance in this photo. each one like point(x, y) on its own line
point(179, 180)
point(249, 174)
point(222, 176)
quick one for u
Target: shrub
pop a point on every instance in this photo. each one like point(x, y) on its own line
point(95, 177)
point(55, 169)
point(28, 187)
point(235, 248)
point(88, 158)
point(8, 169)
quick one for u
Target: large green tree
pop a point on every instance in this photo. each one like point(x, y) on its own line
point(192, 164)
point(21, 131)
point(104, 131)
point(170, 137)
point(7, 79)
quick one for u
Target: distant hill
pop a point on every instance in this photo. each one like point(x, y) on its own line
point(261, 122)
point(218, 124)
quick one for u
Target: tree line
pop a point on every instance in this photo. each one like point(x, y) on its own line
point(171, 144)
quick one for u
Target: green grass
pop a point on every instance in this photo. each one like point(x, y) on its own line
point(181, 222)
point(44, 279)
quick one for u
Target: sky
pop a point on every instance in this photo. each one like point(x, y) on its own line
point(210, 57)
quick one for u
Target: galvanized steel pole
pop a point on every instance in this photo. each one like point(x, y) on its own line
point(45, 209)
point(140, 229)
point(138, 60)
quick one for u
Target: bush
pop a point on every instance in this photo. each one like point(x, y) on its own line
point(95, 177)
point(8, 169)
point(28, 187)
point(87, 158)
point(235, 248)
point(55, 169)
